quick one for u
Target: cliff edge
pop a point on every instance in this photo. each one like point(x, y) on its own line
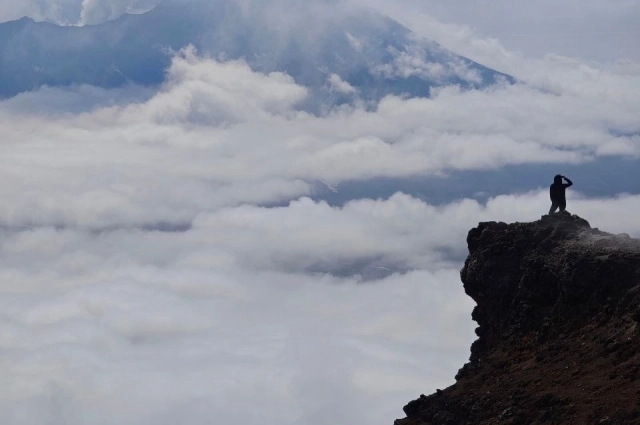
point(558, 309)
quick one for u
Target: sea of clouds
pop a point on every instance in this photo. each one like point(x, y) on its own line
point(165, 257)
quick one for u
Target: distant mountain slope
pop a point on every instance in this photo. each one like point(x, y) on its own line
point(372, 53)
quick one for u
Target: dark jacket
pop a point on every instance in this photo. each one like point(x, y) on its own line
point(557, 189)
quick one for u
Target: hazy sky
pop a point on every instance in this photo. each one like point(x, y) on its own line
point(164, 256)
point(593, 30)
point(598, 30)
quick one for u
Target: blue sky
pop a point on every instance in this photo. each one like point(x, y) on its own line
point(206, 250)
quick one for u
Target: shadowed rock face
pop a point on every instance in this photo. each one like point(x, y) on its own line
point(558, 309)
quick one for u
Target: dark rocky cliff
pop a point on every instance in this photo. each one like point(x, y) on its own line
point(558, 309)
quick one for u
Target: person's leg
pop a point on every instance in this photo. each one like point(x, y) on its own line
point(562, 205)
point(553, 208)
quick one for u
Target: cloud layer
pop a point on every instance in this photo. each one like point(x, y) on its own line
point(220, 135)
point(244, 316)
point(164, 257)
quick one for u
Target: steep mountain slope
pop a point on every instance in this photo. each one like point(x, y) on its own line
point(558, 309)
point(373, 53)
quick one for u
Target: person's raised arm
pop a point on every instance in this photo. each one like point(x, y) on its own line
point(569, 182)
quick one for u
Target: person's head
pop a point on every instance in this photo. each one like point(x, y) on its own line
point(557, 179)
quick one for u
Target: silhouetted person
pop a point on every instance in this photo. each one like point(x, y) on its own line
point(557, 193)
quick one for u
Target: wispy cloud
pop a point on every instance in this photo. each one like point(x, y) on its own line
point(592, 30)
point(163, 259)
point(73, 12)
point(219, 134)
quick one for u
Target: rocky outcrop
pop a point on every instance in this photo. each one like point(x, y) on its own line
point(558, 309)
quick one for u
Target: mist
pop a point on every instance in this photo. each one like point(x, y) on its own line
point(169, 254)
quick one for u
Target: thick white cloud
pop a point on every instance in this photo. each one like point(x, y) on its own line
point(147, 277)
point(160, 345)
point(221, 321)
point(219, 134)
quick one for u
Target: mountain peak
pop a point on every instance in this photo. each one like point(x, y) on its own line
point(558, 309)
point(371, 52)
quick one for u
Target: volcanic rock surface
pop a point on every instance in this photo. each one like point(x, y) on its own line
point(558, 309)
